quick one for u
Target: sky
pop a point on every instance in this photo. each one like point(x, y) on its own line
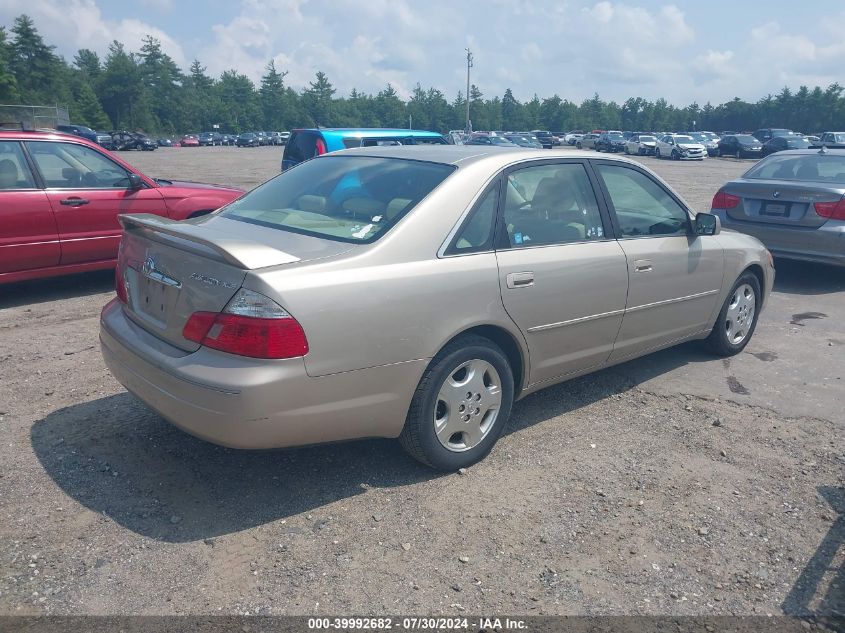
point(687, 51)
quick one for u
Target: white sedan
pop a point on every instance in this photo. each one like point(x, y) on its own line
point(679, 147)
point(641, 144)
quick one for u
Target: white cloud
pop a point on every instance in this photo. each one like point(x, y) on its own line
point(75, 24)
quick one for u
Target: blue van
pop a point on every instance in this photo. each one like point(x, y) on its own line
point(308, 143)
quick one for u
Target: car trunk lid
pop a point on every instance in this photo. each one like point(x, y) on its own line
point(172, 269)
point(780, 202)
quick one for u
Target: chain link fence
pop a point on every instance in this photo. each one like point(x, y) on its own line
point(33, 117)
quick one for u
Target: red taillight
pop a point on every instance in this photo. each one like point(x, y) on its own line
point(120, 285)
point(247, 336)
point(321, 147)
point(831, 210)
point(724, 200)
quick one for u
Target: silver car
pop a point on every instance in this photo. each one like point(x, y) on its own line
point(793, 202)
point(417, 292)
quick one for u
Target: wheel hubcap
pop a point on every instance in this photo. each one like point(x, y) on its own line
point(740, 314)
point(468, 404)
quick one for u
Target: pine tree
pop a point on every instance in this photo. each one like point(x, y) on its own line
point(121, 89)
point(34, 65)
point(88, 62)
point(511, 112)
point(8, 83)
point(272, 98)
point(318, 99)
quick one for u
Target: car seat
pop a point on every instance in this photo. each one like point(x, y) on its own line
point(8, 174)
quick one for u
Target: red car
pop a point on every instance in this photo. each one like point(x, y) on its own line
point(189, 140)
point(60, 196)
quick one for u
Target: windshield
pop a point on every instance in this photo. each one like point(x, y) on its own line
point(498, 140)
point(747, 139)
point(346, 198)
point(816, 167)
point(647, 139)
point(684, 139)
point(616, 137)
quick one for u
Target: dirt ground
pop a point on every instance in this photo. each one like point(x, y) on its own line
point(674, 484)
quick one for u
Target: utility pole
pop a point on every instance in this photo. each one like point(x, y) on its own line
point(469, 65)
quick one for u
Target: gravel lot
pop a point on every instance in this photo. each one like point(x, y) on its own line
point(675, 484)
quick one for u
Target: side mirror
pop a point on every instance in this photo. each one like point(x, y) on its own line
point(707, 224)
point(135, 182)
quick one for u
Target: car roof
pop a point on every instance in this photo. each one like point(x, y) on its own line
point(463, 155)
point(40, 135)
point(364, 132)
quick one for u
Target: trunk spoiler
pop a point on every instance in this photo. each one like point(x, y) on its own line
point(206, 241)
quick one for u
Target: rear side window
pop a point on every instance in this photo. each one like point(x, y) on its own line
point(551, 204)
point(476, 234)
point(301, 146)
point(346, 198)
point(14, 171)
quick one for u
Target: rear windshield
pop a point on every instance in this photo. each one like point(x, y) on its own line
point(346, 198)
point(815, 167)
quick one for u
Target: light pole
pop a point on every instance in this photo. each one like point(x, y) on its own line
point(469, 65)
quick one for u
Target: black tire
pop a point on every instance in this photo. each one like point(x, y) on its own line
point(738, 153)
point(657, 153)
point(578, 145)
point(717, 342)
point(675, 155)
point(418, 436)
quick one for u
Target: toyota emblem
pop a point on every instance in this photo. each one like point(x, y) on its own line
point(776, 194)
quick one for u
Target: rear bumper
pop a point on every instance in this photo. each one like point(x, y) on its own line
point(250, 403)
point(825, 244)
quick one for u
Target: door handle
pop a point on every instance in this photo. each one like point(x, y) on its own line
point(74, 202)
point(520, 280)
point(642, 265)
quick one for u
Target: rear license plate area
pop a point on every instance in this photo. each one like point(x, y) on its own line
point(154, 298)
point(775, 209)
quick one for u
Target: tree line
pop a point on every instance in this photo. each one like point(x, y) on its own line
point(145, 90)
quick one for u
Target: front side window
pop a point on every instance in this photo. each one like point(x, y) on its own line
point(14, 171)
point(72, 166)
point(346, 198)
point(642, 207)
point(551, 204)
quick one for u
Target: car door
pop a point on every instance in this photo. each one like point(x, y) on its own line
point(87, 191)
point(29, 237)
point(563, 278)
point(674, 276)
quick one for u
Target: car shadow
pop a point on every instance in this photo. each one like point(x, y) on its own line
point(808, 596)
point(55, 288)
point(807, 278)
point(118, 458)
